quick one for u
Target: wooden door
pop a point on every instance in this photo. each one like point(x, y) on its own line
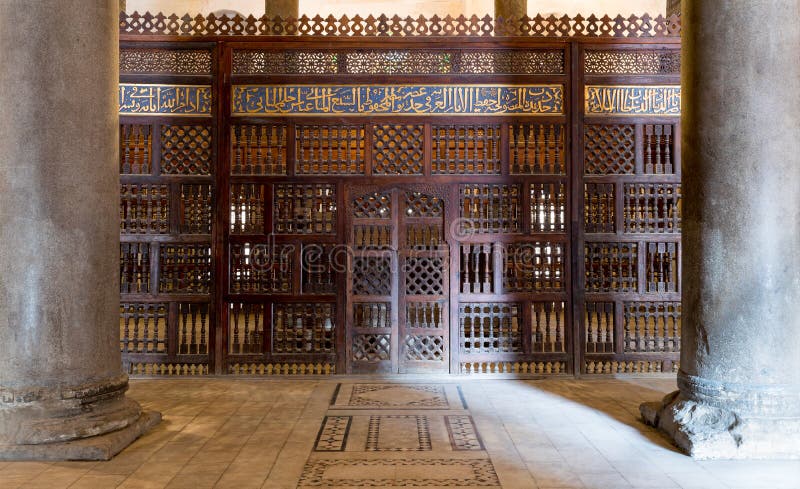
point(398, 280)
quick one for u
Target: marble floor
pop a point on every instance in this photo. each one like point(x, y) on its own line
point(424, 432)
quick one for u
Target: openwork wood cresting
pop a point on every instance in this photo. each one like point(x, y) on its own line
point(455, 195)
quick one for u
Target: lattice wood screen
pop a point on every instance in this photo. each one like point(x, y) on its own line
point(271, 223)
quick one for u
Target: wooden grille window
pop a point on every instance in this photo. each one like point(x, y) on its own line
point(246, 326)
point(533, 267)
point(652, 207)
point(318, 270)
point(134, 268)
point(425, 275)
point(372, 315)
point(652, 326)
point(609, 149)
point(465, 149)
point(425, 348)
point(247, 208)
point(424, 237)
point(488, 208)
point(196, 208)
point(135, 148)
point(611, 267)
point(371, 347)
point(305, 209)
point(599, 326)
point(372, 275)
point(662, 267)
point(303, 328)
point(547, 327)
point(371, 236)
point(490, 328)
point(185, 268)
point(373, 206)
point(261, 268)
point(193, 328)
point(659, 149)
point(329, 150)
point(258, 149)
point(599, 208)
point(423, 205)
point(536, 149)
point(186, 150)
point(144, 209)
point(548, 207)
point(397, 149)
point(143, 328)
point(477, 269)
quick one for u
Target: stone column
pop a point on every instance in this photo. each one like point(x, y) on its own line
point(62, 391)
point(739, 381)
point(283, 8)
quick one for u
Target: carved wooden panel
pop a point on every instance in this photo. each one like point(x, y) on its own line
point(186, 150)
point(632, 62)
point(609, 149)
point(246, 326)
point(662, 267)
point(372, 315)
point(490, 208)
point(544, 62)
point(548, 327)
point(599, 208)
point(165, 61)
point(477, 262)
point(652, 208)
point(260, 268)
point(143, 328)
point(537, 149)
point(303, 328)
point(397, 149)
point(371, 237)
point(371, 347)
point(427, 315)
point(465, 149)
point(134, 268)
point(329, 149)
point(424, 275)
point(548, 204)
point(599, 327)
point(419, 204)
point(659, 149)
point(490, 328)
point(196, 208)
point(135, 148)
point(247, 208)
point(258, 149)
point(611, 267)
point(193, 328)
point(533, 267)
point(319, 266)
point(376, 205)
point(185, 268)
point(144, 209)
point(304, 208)
point(652, 326)
point(428, 348)
point(258, 61)
point(372, 275)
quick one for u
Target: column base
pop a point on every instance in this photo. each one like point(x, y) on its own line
point(708, 432)
point(101, 447)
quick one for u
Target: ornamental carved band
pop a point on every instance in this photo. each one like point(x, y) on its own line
point(176, 100)
point(398, 99)
point(633, 100)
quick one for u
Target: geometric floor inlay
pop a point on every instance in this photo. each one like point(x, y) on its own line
point(404, 472)
point(398, 435)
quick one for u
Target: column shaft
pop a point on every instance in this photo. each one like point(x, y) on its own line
point(740, 359)
point(60, 374)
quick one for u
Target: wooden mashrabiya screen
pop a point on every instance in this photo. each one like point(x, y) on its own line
point(455, 195)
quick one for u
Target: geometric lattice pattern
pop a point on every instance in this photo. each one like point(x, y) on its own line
point(186, 150)
point(652, 207)
point(490, 328)
point(371, 347)
point(372, 276)
point(373, 206)
point(630, 62)
point(422, 205)
point(303, 328)
point(398, 150)
point(462, 431)
point(185, 268)
point(609, 149)
point(425, 275)
point(473, 149)
point(611, 267)
point(332, 435)
point(425, 348)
